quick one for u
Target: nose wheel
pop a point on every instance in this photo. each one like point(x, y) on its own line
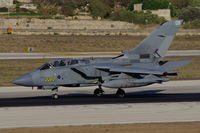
point(55, 93)
point(54, 96)
point(120, 93)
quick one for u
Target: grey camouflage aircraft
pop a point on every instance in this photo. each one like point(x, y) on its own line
point(137, 67)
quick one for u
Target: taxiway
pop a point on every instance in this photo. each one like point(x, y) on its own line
point(14, 56)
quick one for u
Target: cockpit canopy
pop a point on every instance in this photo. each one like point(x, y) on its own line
point(64, 62)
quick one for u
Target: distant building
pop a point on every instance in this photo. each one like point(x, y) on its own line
point(137, 7)
point(29, 6)
point(166, 13)
point(6, 3)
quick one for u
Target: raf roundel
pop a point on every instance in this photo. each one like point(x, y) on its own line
point(59, 77)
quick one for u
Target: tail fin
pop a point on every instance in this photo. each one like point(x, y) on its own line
point(158, 42)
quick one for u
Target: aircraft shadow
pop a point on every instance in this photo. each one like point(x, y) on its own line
point(150, 96)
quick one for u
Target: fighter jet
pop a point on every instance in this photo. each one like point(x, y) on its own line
point(140, 66)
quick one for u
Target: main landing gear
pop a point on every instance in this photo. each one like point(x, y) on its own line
point(99, 92)
point(55, 93)
point(120, 93)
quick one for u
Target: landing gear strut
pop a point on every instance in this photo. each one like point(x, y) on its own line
point(55, 93)
point(98, 92)
point(120, 93)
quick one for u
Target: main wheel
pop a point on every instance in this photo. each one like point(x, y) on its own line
point(98, 92)
point(120, 93)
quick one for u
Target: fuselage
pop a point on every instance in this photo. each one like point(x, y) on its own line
point(72, 72)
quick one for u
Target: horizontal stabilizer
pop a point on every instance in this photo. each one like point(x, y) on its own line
point(173, 65)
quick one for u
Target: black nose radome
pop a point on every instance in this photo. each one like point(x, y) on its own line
point(24, 80)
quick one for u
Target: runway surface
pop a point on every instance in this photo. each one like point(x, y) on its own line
point(168, 102)
point(9, 56)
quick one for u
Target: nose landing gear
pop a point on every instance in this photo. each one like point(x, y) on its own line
point(55, 93)
point(54, 96)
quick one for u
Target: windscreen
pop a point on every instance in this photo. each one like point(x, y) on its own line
point(45, 66)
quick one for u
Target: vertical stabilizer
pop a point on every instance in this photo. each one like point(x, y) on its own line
point(158, 42)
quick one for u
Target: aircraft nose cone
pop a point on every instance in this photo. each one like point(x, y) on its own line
point(24, 80)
